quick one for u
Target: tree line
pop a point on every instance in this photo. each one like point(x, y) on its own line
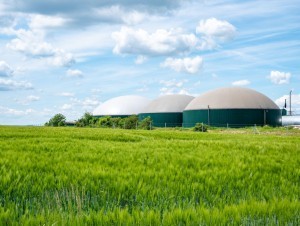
point(88, 120)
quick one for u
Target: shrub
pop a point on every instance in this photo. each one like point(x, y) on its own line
point(146, 123)
point(200, 127)
point(129, 122)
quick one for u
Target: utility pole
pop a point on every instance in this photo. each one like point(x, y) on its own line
point(291, 102)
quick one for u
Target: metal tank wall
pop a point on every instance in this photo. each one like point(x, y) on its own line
point(166, 111)
point(168, 119)
point(232, 117)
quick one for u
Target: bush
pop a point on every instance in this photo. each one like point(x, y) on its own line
point(104, 122)
point(146, 123)
point(200, 127)
point(129, 122)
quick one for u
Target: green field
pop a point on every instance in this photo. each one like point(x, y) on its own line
point(86, 176)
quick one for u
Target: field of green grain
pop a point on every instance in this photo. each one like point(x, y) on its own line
point(85, 176)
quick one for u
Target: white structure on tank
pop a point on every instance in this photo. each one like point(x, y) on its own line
point(122, 106)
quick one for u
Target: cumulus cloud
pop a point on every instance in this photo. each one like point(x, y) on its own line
point(280, 78)
point(241, 83)
point(160, 43)
point(62, 59)
point(7, 85)
point(74, 73)
point(5, 69)
point(31, 43)
point(187, 65)
point(214, 31)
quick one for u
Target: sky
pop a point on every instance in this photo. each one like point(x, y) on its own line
point(69, 56)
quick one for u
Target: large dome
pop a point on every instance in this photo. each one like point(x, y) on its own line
point(232, 98)
point(168, 104)
point(122, 106)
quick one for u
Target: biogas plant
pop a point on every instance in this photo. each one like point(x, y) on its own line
point(224, 107)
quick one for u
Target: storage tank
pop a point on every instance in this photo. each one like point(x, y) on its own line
point(166, 111)
point(121, 106)
point(233, 106)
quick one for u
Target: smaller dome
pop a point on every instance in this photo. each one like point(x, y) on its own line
point(232, 98)
point(168, 104)
point(123, 105)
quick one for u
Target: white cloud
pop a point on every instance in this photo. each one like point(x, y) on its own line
point(38, 21)
point(15, 112)
point(27, 100)
point(7, 84)
point(173, 86)
point(32, 98)
point(5, 69)
point(31, 43)
point(118, 14)
point(241, 83)
point(67, 107)
point(62, 59)
point(279, 78)
point(74, 73)
point(172, 83)
point(140, 59)
point(161, 42)
point(188, 65)
point(295, 102)
point(66, 94)
point(86, 104)
point(214, 31)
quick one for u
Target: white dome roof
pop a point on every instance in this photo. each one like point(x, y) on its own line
point(232, 98)
point(168, 103)
point(123, 105)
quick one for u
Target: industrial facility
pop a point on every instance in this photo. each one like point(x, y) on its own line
point(166, 111)
point(233, 107)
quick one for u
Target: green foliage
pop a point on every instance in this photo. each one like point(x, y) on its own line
point(71, 176)
point(145, 123)
point(105, 122)
point(200, 127)
point(86, 120)
point(130, 122)
point(57, 120)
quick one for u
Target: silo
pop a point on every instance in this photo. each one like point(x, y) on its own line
point(233, 107)
point(121, 106)
point(166, 111)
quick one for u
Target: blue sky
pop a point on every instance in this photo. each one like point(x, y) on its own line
point(69, 56)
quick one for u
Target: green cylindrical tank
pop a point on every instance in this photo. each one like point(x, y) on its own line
point(233, 107)
point(166, 111)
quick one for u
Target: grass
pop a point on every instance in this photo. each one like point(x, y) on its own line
point(82, 176)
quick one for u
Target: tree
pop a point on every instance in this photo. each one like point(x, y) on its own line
point(57, 120)
point(86, 120)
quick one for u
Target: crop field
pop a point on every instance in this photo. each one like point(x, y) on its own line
point(93, 176)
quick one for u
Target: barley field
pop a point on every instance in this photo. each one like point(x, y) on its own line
point(92, 176)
